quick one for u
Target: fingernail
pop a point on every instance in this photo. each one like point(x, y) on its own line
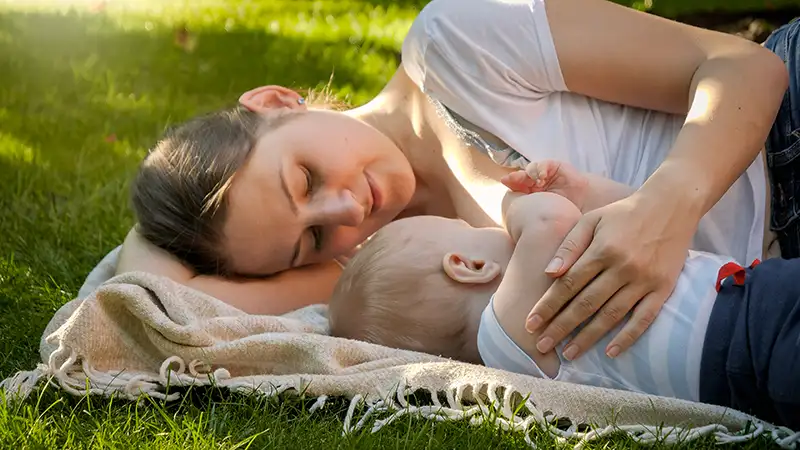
point(555, 265)
point(571, 352)
point(544, 345)
point(533, 323)
point(613, 352)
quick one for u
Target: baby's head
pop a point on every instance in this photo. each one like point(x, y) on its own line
point(421, 284)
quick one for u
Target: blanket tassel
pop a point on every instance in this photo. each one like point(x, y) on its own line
point(501, 414)
point(499, 411)
point(19, 386)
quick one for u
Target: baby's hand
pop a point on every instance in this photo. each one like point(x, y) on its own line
point(549, 176)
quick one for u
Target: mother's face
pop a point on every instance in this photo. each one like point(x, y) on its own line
point(312, 189)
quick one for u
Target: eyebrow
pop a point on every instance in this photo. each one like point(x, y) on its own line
point(293, 207)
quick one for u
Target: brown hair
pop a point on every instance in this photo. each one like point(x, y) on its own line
point(179, 193)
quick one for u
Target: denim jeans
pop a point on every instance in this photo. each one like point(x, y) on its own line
point(783, 145)
point(750, 353)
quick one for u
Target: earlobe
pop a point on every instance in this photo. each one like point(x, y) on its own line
point(468, 270)
point(272, 97)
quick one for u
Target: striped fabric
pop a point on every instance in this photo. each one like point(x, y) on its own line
point(664, 361)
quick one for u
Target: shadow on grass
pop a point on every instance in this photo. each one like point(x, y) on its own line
point(84, 76)
point(86, 100)
point(214, 418)
point(81, 100)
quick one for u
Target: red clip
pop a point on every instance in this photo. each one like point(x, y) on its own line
point(736, 270)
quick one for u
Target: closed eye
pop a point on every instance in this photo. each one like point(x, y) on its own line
point(316, 231)
point(309, 182)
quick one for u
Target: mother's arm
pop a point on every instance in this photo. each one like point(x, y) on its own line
point(275, 295)
point(634, 249)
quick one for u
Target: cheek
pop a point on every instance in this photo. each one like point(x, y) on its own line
point(338, 166)
point(345, 239)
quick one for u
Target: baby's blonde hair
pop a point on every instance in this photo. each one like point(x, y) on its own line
point(394, 292)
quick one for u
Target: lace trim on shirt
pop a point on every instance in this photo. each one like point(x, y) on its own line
point(464, 130)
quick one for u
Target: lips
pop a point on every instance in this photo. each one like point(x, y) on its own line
point(375, 193)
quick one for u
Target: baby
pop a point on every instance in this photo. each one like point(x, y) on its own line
point(439, 286)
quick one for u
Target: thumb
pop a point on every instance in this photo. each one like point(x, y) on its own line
point(518, 181)
point(572, 247)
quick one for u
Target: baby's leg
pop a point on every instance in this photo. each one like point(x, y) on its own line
point(543, 221)
point(751, 356)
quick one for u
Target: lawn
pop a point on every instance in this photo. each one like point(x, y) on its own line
point(84, 91)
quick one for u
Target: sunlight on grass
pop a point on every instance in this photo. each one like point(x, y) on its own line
point(210, 419)
point(13, 149)
point(86, 87)
point(353, 21)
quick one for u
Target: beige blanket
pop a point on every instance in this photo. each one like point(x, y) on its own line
point(136, 333)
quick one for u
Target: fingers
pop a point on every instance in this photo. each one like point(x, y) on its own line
point(573, 247)
point(519, 181)
point(644, 314)
point(608, 317)
point(561, 292)
point(543, 172)
point(548, 170)
point(532, 169)
point(536, 177)
point(584, 305)
point(571, 280)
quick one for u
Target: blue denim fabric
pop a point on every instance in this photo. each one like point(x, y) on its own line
point(751, 352)
point(783, 145)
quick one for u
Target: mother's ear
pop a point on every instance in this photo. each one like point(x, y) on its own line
point(468, 270)
point(267, 98)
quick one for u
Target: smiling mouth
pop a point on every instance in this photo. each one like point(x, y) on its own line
point(375, 194)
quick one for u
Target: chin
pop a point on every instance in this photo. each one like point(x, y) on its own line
point(385, 217)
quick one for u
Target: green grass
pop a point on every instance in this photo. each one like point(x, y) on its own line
point(82, 96)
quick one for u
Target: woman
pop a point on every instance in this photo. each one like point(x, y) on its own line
point(678, 112)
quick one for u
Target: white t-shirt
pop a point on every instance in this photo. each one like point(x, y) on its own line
point(494, 64)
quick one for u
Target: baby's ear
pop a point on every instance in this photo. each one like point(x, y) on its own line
point(464, 269)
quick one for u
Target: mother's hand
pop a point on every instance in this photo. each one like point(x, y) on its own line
point(622, 257)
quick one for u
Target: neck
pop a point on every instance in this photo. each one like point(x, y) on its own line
point(477, 302)
point(397, 113)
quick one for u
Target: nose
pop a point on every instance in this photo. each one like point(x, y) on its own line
point(341, 208)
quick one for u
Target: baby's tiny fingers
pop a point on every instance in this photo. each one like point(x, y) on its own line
point(550, 169)
point(518, 181)
point(532, 170)
point(522, 178)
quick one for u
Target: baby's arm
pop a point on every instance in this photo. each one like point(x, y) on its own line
point(275, 295)
point(587, 191)
point(537, 223)
point(604, 191)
